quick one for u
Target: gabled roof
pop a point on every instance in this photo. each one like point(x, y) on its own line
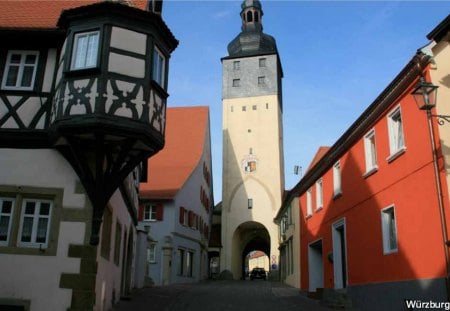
point(319, 154)
point(29, 14)
point(168, 170)
point(440, 30)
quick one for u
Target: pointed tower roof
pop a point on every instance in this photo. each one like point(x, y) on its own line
point(252, 40)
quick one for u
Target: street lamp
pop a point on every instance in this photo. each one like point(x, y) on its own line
point(425, 95)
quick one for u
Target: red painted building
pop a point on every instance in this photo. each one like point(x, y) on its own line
point(371, 231)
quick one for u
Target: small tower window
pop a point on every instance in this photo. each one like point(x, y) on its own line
point(262, 62)
point(256, 17)
point(244, 108)
point(236, 65)
point(250, 203)
point(249, 16)
point(254, 107)
point(236, 82)
point(261, 81)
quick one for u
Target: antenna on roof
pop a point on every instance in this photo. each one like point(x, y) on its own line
point(297, 170)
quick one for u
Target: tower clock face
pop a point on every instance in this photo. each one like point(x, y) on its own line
point(249, 163)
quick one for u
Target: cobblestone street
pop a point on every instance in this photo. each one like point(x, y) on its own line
point(220, 295)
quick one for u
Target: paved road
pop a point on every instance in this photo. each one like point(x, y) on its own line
point(220, 296)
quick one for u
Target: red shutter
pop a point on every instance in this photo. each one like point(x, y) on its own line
point(141, 212)
point(196, 221)
point(159, 211)
point(181, 215)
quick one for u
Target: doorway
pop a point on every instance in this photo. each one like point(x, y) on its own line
point(339, 254)
point(315, 260)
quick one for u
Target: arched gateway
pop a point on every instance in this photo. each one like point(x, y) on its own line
point(252, 144)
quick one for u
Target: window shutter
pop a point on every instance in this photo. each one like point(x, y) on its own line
point(181, 215)
point(159, 212)
point(190, 219)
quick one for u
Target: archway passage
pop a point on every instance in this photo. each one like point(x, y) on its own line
point(251, 236)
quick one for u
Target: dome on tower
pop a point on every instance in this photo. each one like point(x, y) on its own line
point(252, 40)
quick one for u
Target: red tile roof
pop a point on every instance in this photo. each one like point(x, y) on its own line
point(319, 154)
point(185, 137)
point(42, 13)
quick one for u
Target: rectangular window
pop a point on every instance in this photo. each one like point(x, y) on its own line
point(6, 214)
point(309, 202)
point(20, 70)
point(254, 107)
point(236, 82)
point(319, 194)
point(189, 263)
point(180, 267)
point(153, 212)
point(236, 65)
point(244, 108)
point(158, 67)
point(337, 188)
point(261, 81)
point(85, 50)
point(250, 203)
point(117, 243)
point(151, 253)
point(370, 151)
point(106, 234)
point(389, 230)
point(395, 128)
point(150, 212)
point(35, 223)
point(262, 62)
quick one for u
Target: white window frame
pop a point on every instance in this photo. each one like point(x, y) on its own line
point(386, 220)
point(319, 194)
point(91, 52)
point(309, 202)
point(23, 55)
point(36, 217)
point(149, 212)
point(159, 67)
point(337, 179)
point(10, 215)
point(396, 142)
point(370, 152)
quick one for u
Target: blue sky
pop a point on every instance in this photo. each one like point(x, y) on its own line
point(337, 57)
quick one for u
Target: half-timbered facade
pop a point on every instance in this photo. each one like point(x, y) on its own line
point(83, 89)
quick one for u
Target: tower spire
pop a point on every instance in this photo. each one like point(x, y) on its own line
point(251, 15)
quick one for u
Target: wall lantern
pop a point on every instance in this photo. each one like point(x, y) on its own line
point(425, 95)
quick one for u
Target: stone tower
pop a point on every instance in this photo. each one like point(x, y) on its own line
point(253, 180)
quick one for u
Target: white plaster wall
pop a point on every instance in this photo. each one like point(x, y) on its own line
point(34, 277)
point(128, 40)
point(189, 197)
point(108, 273)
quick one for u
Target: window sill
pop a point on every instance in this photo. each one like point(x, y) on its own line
point(308, 216)
point(388, 252)
point(337, 195)
point(319, 209)
point(370, 172)
point(394, 156)
point(149, 220)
